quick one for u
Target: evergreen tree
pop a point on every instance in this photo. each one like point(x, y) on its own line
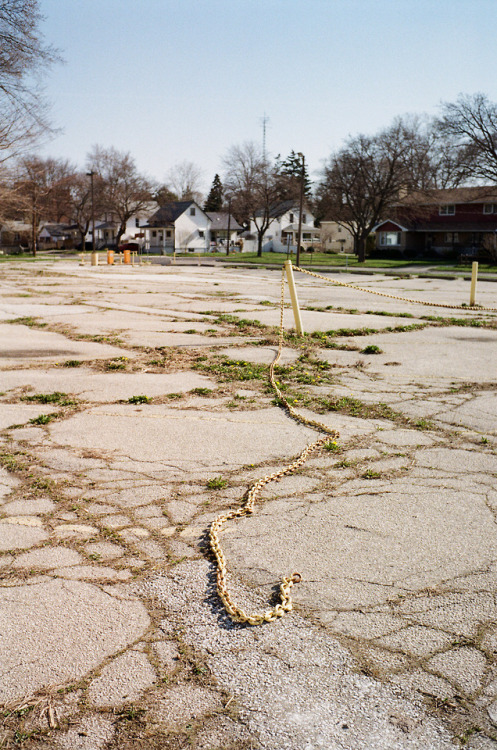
point(214, 200)
point(289, 175)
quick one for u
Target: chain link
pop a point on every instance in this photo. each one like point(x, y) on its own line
point(247, 508)
point(335, 282)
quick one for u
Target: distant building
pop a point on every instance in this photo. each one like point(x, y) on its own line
point(179, 226)
point(459, 221)
point(219, 229)
point(281, 235)
point(336, 238)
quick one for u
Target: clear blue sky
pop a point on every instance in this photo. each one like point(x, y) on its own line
point(174, 80)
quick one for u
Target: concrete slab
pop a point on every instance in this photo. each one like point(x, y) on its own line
point(261, 354)
point(289, 670)
point(324, 321)
point(433, 355)
point(478, 413)
point(95, 386)
point(65, 628)
point(184, 441)
point(44, 310)
point(122, 681)
point(157, 339)
point(22, 344)
point(11, 414)
point(47, 558)
point(370, 543)
point(105, 322)
point(14, 536)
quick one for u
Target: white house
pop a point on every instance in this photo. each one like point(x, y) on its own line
point(106, 228)
point(281, 235)
point(180, 226)
point(219, 222)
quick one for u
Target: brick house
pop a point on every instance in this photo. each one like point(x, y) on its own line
point(454, 222)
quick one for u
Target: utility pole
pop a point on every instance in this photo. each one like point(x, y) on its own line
point(301, 208)
point(94, 257)
point(229, 227)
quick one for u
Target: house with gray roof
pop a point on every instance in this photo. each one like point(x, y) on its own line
point(282, 232)
point(219, 229)
point(179, 226)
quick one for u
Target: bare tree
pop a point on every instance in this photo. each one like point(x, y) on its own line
point(253, 186)
point(81, 205)
point(24, 59)
point(125, 192)
point(42, 189)
point(185, 180)
point(471, 124)
point(364, 181)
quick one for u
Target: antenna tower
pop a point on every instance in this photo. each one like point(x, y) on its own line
point(264, 122)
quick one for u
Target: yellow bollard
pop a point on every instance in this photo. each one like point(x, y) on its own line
point(474, 278)
point(94, 259)
point(293, 296)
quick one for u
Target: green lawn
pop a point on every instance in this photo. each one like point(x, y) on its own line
point(328, 259)
point(306, 259)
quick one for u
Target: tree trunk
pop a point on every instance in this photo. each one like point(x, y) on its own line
point(119, 234)
point(34, 238)
point(361, 249)
point(259, 244)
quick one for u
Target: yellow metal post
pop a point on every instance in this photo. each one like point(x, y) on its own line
point(293, 296)
point(474, 277)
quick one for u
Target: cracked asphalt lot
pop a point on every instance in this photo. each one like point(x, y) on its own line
point(135, 407)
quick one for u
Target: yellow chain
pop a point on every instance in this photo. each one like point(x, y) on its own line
point(335, 282)
point(247, 508)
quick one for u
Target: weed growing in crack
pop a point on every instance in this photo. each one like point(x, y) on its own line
point(372, 349)
point(371, 474)
point(139, 400)
point(28, 321)
point(119, 363)
point(202, 391)
point(332, 447)
point(51, 398)
point(230, 369)
point(216, 483)
point(43, 419)
point(423, 424)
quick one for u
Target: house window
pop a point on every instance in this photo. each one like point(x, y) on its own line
point(201, 233)
point(489, 208)
point(448, 210)
point(451, 238)
point(154, 233)
point(306, 236)
point(169, 233)
point(192, 211)
point(390, 238)
point(304, 218)
point(292, 218)
point(137, 223)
